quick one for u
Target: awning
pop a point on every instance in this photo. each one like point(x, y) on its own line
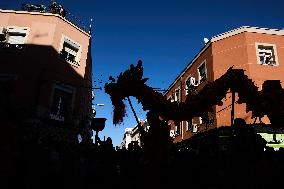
point(71, 43)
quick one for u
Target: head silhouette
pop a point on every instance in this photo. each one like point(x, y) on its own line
point(239, 122)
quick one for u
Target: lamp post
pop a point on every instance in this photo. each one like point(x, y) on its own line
point(98, 124)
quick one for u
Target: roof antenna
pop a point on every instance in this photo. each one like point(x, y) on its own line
point(205, 40)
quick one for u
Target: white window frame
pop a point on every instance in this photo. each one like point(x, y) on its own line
point(179, 98)
point(194, 125)
point(200, 120)
point(170, 98)
point(186, 87)
point(65, 88)
point(188, 126)
point(65, 38)
point(180, 129)
point(199, 77)
point(257, 44)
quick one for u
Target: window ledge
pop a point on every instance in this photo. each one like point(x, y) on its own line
point(72, 63)
point(11, 47)
point(273, 65)
point(56, 117)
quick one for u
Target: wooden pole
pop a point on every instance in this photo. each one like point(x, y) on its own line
point(135, 115)
point(140, 129)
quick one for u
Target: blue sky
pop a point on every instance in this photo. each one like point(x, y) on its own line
point(164, 34)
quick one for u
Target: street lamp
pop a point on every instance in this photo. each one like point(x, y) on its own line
point(98, 124)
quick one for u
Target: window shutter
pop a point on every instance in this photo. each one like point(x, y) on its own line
point(16, 39)
point(72, 44)
point(19, 31)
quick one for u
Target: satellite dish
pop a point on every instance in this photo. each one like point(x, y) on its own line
point(205, 40)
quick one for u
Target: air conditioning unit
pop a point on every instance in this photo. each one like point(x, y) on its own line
point(193, 82)
point(194, 128)
point(172, 133)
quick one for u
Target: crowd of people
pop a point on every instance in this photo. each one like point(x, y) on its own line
point(30, 163)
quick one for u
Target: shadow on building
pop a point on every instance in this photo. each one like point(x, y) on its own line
point(44, 104)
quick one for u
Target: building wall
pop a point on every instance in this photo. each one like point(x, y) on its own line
point(228, 52)
point(240, 52)
point(38, 67)
point(258, 72)
point(126, 138)
point(192, 71)
point(48, 29)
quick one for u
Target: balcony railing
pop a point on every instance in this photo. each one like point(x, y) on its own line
point(69, 58)
point(56, 8)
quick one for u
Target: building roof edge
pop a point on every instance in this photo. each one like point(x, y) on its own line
point(45, 14)
point(188, 65)
point(224, 35)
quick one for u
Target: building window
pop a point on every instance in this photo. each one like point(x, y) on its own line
point(194, 128)
point(70, 51)
point(16, 35)
point(207, 118)
point(177, 95)
point(202, 72)
point(204, 118)
point(200, 120)
point(13, 37)
point(173, 97)
point(189, 125)
point(178, 128)
point(190, 85)
point(266, 54)
point(2, 35)
point(61, 103)
point(170, 99)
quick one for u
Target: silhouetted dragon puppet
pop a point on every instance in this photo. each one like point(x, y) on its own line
point(269, 101)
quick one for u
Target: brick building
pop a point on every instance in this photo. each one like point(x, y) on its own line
point(258, 51)
point(133, 134)
point(46, 69)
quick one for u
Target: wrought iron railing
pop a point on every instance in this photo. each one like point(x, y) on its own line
point(69, 58)
point(56, 8)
